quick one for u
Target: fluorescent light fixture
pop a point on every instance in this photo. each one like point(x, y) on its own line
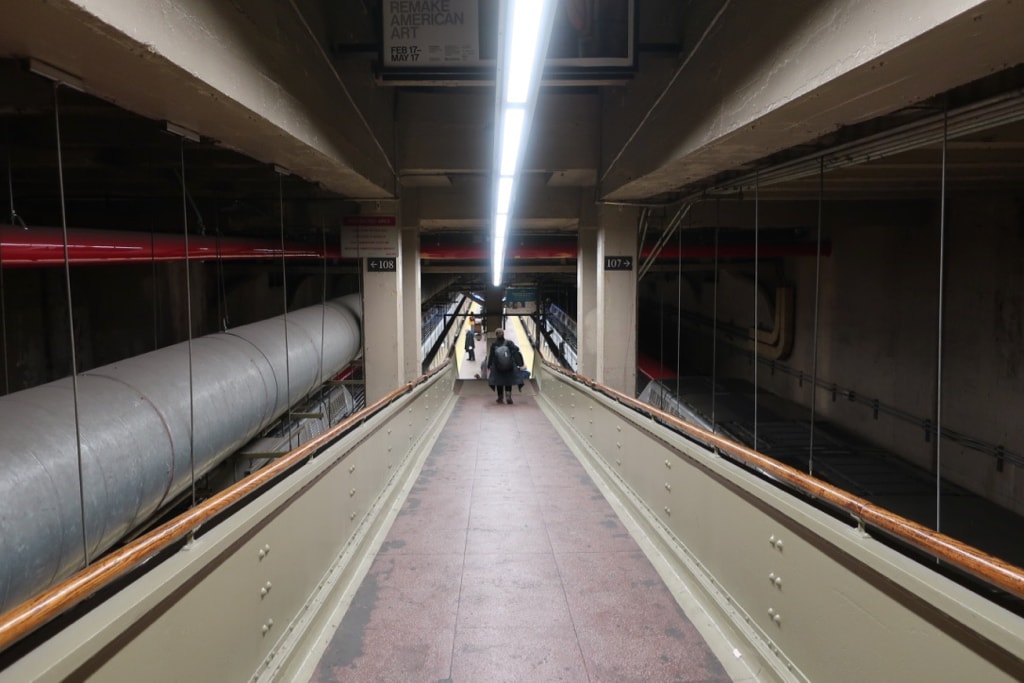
point(511, 137)
point(504, 196)
point(522, 51)
point(498, 261)
point(498, 243)
point(524, 30)
point(54, 74)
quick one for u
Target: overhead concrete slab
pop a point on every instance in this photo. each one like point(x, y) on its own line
point(249, 77)
point(770, 76)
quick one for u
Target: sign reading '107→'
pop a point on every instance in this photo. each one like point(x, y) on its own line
point(618, 263)
point(381, 265)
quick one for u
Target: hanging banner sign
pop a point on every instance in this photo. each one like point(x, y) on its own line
point(459, 37)
point(368, 240)
point(431, 32)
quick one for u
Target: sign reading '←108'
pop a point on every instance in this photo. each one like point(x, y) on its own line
point(381, 265)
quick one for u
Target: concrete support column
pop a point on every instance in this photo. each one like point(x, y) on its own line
point(616, 298)
point(411, 302)
point(587, 341)
point(382, 269)
point(494, 309)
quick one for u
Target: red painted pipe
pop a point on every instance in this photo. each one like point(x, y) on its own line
point(45, 247)
point(567, 249)
point(652, 369)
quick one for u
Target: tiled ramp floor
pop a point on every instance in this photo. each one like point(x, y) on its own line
point(506, 564)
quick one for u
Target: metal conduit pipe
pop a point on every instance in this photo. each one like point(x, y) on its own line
point(135, 435)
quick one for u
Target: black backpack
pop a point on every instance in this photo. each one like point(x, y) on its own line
point(503, 358)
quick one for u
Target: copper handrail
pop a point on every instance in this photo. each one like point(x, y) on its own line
point(991, 570)
point(34, 613)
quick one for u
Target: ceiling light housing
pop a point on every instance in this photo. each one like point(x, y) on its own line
point(523, 34)
point(54, 74)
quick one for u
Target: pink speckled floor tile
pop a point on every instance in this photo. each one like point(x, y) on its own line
point(588, 535)
point(513, 655)
point(498, 484)
point(484, 541)
point(619, 596)
point(513, 591)
point(510, 515)
point(505, 563)
point(673, 656)
point(436, 511)
point(505, 458)
point(392, 655)
point(410, 590)
point(456, 472)
point(412, 539)
point(570, 500)
point(488, 496)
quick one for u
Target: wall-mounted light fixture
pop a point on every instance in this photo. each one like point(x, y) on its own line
point(523, 33)
point(54, 74)
point(181, 131)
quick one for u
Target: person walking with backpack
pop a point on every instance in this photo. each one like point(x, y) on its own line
point(503, 362)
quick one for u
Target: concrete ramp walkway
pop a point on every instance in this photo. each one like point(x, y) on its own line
point(506, 563)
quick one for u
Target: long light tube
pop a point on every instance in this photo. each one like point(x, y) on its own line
point(500, 231)
point(501, 225)
point(522, 67)
point(504, 196)
point(511, 140)
point(523, 34)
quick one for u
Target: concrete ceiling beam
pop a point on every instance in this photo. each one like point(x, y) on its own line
point(444, 132)
point(468, 206)
point(252, 78)
point(770, 76)
point(452, 133)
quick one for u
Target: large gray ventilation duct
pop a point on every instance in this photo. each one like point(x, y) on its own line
point(134, 419)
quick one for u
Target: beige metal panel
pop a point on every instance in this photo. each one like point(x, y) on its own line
point(813, 597)
point(224, 607)
point(298, 654)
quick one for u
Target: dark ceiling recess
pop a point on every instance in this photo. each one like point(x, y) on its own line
point(909, 174)
point(124, 172)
